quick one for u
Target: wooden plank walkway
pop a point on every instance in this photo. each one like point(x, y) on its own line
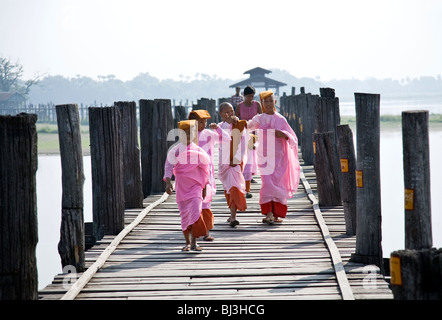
point(291, 260)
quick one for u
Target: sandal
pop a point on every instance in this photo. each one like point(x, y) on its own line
point(278, 220)
point(269, 220)
point(196, 248)
point(186, 248)
point(234, 223)
point(208, 238)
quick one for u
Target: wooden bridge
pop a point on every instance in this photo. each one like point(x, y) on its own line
point(304, 257)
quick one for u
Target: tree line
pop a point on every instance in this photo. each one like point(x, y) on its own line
point(107, 89)
point(57, 89)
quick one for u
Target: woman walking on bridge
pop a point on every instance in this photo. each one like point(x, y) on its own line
point(277, 160)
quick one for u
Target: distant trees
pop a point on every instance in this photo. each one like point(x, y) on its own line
point(107, 89)
point(11, 78)
point(345, 88)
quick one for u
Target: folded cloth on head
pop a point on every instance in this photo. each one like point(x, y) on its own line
point(200, 114)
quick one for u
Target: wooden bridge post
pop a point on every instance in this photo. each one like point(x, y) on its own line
point(327, 115)
point(327, 93)
point(107, 170)
point(180, 115)
point(293, 105)
point(283, 105)
point(133, 190)
point(210, 106)
point(301, 105)
point(348, 179)
point(368, 184)
point(418, 234)
point(416, 274)
point(309, 127)
point(146, 141)
point(18, 207)
point(327, 118)
point(155, 123)
point(325, 161)
point(72, 236)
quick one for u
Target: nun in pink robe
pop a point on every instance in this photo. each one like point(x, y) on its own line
point(277, 159)
point(207, 140)
point(190, 165)
point(232, 176)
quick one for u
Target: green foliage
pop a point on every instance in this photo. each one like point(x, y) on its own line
point(46, 129)
point(435, 118)
point(11, 78)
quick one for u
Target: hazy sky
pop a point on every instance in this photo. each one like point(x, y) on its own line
point(169, 38)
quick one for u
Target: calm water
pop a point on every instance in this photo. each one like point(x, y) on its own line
point(49, 194)
point(392, 186)
point(395, 107)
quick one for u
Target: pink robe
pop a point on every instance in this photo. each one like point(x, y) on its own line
point(190, 165)
point(207, 140)
point(277, 158)
point(231, 176)
point(251, 167)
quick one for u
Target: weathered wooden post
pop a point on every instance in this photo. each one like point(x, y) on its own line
point(301, 105)
point(295, 106)
point(325, 140)
point(327, 92)
point(418, 234)
point(348, 178)
point(327, 115)
point(416, 274)
point(283, 105)
point(18, 207)
point(209, 105)
point(368, 184)
point(107, 170)
point(324, 163)
point(308, 127)
point(180, 115)
point(72, 239)
point(133, 190)
point(155, 123)
point(146, 141)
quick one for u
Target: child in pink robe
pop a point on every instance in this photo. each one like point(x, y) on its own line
point(232, 156)
point(207, 140)
point(277, 159)
point(190, 165)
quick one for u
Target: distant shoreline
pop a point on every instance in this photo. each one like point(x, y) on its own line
point(48, 137)
point(394, 122)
